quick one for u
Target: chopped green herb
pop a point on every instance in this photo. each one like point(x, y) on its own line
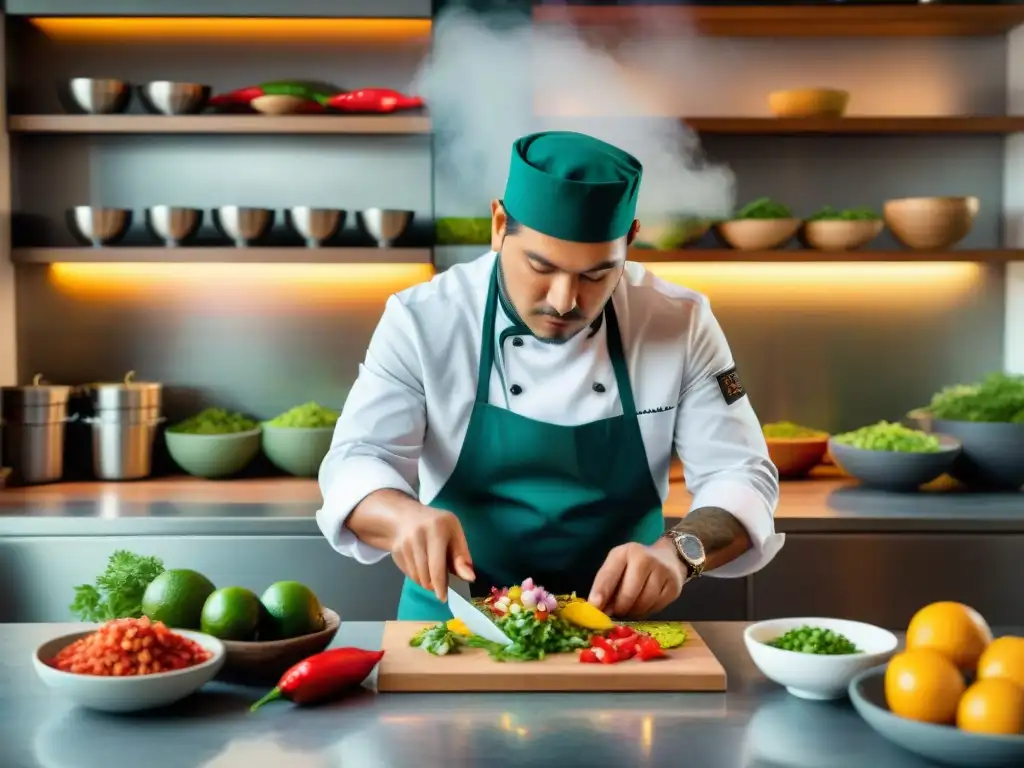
point(822, 642)
point(828, 213)
point(998, 398)
point(886, 436)
point(764, 208)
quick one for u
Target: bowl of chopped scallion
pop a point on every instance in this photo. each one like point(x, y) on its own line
point(988, 420)
point(816, 658)
point(794, 449)
point(213, 443)
point(893, 457)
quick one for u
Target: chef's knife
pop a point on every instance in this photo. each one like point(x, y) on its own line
point(475, 619)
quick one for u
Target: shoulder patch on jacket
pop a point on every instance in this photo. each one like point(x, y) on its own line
point(729, 383)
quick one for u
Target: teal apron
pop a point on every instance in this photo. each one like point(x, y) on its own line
point(542, 500)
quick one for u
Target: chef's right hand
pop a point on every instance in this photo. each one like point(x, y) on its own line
point(428, 545)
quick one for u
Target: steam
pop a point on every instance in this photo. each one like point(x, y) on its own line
point(492, 79)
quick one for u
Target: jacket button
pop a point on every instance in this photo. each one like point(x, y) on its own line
point(517, 342)
point(515, 389)
point(598, 386)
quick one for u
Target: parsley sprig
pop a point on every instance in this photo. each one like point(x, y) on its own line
point(118, 591)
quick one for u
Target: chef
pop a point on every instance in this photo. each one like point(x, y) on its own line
point(515, 416)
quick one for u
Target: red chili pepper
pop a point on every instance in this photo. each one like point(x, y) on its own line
point(648, 648)
point(322, 675)
point(373, 100)
point(238, 97)
point(589, 656)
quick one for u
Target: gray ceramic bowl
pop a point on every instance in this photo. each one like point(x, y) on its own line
point(894, 470)
point(943, 744)
point(296, 450)
point(992, 456)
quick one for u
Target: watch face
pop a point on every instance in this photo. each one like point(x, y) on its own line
point(692, 548)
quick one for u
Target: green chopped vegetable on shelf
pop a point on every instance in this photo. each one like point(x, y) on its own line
point(788, 430)
point(999, 398)
point(822, 642)
point(887, 436)
point(763, 208)
point(214, 421)
point(117, 592)
point(828, 213)
point(306, 416)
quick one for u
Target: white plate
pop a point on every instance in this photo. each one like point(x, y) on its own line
point(809, 675)
point(127, 694)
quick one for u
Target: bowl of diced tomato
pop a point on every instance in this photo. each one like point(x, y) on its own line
point(128, 665)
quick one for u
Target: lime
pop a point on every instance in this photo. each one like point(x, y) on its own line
point(231, 613)
point(292, 610)
point(176, 598)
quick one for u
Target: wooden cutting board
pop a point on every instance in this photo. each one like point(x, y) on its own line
point(692, 667)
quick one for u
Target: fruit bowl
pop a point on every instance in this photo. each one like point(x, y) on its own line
point(812, 676)
point(265, 661)
point(944, 744)
point(127, 694)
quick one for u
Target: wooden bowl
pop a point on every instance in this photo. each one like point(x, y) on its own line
point(809, 102)
point(837, 235)
point(280, 104)
point(260, 663)
point(757, 234)
point(796, 456)
point(930, 223)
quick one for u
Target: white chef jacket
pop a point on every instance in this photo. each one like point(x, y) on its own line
point(404, 422)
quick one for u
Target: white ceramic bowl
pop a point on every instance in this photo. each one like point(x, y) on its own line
point(811, 676)
point(127, 694)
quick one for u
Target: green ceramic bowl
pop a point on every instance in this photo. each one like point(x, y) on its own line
point(213, 456)
point(296, 450)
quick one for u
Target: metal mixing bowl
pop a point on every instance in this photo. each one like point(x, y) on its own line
point(163, 97)
point(99, 96)
point(244, 226)
point(98, 226)
point(172, 225)
point(384, 225)
point(315, 225)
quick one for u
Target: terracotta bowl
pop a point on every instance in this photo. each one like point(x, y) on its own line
point(930, 223)
point(840, 235)
point(809, 102)
point(264, 662)
point(796, 456)
point(757, 234)
point(280, 104)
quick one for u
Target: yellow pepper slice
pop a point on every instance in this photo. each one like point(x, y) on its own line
point(583, 614)
point(458, 627)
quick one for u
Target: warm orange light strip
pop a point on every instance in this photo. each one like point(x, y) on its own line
point(827, 284)
point(226, 30)
point(226, 288)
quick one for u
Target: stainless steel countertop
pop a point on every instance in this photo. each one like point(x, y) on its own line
point(848, 510)
point(755, 724)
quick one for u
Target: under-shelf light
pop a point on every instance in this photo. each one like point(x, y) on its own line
point(231, 30)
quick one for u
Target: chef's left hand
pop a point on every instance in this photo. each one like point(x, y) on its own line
point(636, 581)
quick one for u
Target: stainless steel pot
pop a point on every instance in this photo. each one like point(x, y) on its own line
point(36, 403)
point(122, 449)
point(129, 395)
point(34, 452)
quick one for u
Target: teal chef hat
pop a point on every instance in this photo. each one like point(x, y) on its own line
point(572, 186)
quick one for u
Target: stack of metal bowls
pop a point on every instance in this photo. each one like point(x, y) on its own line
point(125, 418)
point(33, 420)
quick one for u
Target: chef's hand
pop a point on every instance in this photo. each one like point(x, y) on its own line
point(428, 545)
point(636, 581)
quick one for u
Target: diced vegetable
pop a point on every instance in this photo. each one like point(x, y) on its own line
point(788, 430)
point(214, 421)
point(129, 647)
point(816, 640)
point(886, 436)
point(583, 614)
point(458, 627)
point(669, 634)
point(648, 648)
point(999, 398)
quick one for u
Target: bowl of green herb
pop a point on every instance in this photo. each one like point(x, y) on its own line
point(760, 225)
point(831, 229)
point(213, 443)
point(988, 419)
point(794, 449)
point(893, 457)
point(297, 440)
point(667, 233)
point(816, 658)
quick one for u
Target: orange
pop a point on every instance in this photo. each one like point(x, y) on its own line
point(923, 685)
point(955, 630)
point(992, 706)
point(1004, 657)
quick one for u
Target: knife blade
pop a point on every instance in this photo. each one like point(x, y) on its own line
point(476, 621)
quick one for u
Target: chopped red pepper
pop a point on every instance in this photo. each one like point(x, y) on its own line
point(621, 632)
point(589, 656)
point(604, 649)
point(648, 648)
point(625, 651)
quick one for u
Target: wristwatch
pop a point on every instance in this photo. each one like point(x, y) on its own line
point(690, 550)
